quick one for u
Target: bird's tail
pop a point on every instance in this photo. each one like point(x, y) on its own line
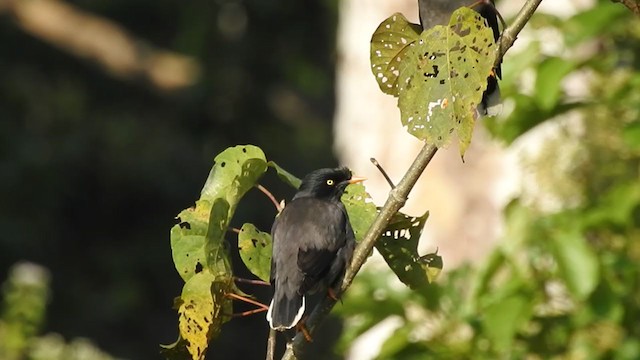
point(285, 312)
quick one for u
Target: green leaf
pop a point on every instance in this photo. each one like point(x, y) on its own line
point(502, 319)
point(360, 208)
point(596, 21)
point(285, 176)
point(255, 250)
point(549, 80)
point(199, 249)
point(389, 45)
point(399, 248)
point(577, 262)
point(631, 135)
point(442, 77)
point(235, 171)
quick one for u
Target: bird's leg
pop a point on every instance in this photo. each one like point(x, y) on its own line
point(250, 281)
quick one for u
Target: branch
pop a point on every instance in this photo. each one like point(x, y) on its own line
point(101, 41)
point(395, 201)
point(271, 345)
point(510, 34)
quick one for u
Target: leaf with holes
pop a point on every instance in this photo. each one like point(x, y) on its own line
point(198, 241)
point(188, 239)
point(442, 77)
point(255, 250)
point(203, 304)
point(389, 45)
point(399, 247)
point(285, 176)
point(360, 208)
point(234, 172)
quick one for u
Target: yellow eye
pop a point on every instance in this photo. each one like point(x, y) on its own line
point(330, 182)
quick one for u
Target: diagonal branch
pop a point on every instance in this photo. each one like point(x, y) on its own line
point(395, 201)
point(510, 34)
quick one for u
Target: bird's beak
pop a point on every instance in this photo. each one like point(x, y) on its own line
point(356, 179)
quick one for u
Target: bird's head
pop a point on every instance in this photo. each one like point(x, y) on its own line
point(327, 183)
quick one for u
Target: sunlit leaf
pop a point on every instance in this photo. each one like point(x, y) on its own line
point(433, 264)
point(255, 250)
point(389, 45)
point(442, 78)
point(235, 171)
point(360, 208)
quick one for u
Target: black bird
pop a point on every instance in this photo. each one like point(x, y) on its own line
point(438, 12)
point(313, 244)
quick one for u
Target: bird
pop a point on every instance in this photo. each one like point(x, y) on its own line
point(313, 243)
point(438, 12)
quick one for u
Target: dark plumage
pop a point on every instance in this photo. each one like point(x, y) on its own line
point(438, 12)
point(313, 243)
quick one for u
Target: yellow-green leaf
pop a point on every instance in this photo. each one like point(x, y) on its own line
point(442, 77)
point(200, 313)
point(389, 45)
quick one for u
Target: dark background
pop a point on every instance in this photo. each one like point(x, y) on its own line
point(93, 169)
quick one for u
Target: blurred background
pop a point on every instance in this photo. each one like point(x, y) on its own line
point(111, 113)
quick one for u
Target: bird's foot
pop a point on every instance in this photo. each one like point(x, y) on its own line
point(300, 327)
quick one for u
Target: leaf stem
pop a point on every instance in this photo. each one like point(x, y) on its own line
point(270, 196)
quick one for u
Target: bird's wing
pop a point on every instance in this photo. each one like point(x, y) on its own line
point(316, 229)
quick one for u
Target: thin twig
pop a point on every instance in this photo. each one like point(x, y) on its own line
point(270, 196)
point(395, 201)
point(250, 281)
point(271, 344)
point(384, 173)
point(245, 299)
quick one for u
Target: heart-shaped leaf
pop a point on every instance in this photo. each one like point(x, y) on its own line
point(389, 45)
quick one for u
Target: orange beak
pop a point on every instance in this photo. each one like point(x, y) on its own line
point(357, 179)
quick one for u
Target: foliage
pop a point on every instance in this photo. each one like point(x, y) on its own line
point(438, 75)
point(564, 281)
point(25, 296)
point(201, 257)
